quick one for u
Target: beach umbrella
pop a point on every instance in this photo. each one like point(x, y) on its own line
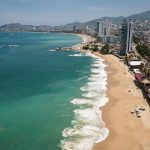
point(145, 81)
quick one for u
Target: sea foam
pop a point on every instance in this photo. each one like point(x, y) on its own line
point(76, 55)
point(81, 101)
point(13, 45)
point(9, 45)
point(87, 126)
point(52, 50)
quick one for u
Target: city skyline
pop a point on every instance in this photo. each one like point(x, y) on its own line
point(59, 12)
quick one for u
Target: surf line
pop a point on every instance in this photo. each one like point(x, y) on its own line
point(88, 127)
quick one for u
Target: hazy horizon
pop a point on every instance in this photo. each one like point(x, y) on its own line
point(60, 12)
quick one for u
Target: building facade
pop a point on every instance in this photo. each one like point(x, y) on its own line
point(110, 39)
point(103, 27)
point(126, 37)
point(99, 28)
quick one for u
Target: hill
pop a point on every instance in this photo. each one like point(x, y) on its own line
point(142, 16)
point(115, 20)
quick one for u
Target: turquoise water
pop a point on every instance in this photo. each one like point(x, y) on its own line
point(36, 87)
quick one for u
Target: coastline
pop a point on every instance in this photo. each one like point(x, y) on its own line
point(126, 131)
point(86, 39)
point(87, 127)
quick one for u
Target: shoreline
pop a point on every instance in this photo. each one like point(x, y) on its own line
point(86, 39)
point(88, 126)
point(126, 131)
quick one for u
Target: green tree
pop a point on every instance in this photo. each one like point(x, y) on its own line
point(85, 47)
point(105, 49)
point(143, 50)
point(136, 40)
point(95, 48)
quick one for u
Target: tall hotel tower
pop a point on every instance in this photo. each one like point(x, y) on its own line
point(126, 36)
point(103, 27)
point(99, 28)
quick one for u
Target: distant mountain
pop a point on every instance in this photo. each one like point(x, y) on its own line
point(92, 23)
point(74, 23)
point(16, 27)
point(115, 20)
point(142, 16)
point(23, 28)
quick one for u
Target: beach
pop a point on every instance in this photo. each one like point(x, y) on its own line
point(86, 39)
point(126, 130)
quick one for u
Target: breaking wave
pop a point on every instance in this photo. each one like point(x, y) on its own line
point(9, 45)
point(76, 55)
point(13, 45)
point(52, 50)
point(88, 127)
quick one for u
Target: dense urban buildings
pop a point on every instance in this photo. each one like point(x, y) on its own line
point(106, 32)
point(103, 27)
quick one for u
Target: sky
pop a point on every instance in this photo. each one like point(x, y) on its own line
point(59, 12)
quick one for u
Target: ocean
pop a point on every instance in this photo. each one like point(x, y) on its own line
point(49, 100)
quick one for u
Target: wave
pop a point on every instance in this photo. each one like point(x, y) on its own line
point(94, 79)
point(51, 50)
point(95, 70)
point(95, 65)
point(82, 78)
point(76, 55)
point(13, 45)
point(98, 65)
point(91, 94)
point(81, 101)
point(87, 131)
point(88, 127)
point(94, 88)
point(9, 45)
point(98, 75)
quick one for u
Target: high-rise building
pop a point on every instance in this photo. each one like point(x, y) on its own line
point(126, 36)
point(103, 27)
point(99, 28)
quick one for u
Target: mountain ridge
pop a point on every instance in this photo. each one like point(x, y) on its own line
point(117, 20)
point(92, 23)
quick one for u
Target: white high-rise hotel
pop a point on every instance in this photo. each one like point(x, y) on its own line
point(99, 28)
point(103, 32)
point(103, 27)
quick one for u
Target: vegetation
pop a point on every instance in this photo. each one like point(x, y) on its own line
point(86, 47)
point(98, 39)
point(95, 48)
point(105, 49)
point(136, 40)
point(143, 50)
point(146, 69)
point(131, 56)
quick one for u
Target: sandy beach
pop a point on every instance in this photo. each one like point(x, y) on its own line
point(126, 130)
point(86, 39)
